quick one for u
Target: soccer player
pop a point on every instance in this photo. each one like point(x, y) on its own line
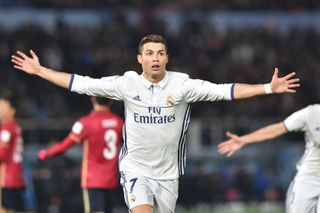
point(100, 135)
point(11, 147)
point(304, 192)
point(157, 113)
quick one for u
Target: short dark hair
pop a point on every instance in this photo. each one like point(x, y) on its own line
point(8, 96)
point(152, 38)
point(103, 101)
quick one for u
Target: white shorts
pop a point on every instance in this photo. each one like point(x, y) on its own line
point(300, 198)
point(161, 195)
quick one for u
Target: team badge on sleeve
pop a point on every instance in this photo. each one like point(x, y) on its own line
point(77, 128)
point(170, 100)
point(5, 136)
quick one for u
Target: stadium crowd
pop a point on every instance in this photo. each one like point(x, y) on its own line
point(273, 5)
point(245, 55)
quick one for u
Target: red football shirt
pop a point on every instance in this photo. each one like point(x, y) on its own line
point(100, 135)
point(11, 147)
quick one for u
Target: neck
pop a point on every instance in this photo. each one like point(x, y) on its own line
point(6, 119)
point(154, 79)
point(100, 108)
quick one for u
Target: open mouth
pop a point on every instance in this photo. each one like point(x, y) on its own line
point(155, 67)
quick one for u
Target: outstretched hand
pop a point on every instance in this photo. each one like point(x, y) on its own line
point(230, 146)
point(284, 84)
point(43, 154)
point(25, 63)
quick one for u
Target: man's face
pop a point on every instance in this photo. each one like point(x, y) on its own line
point(153, 59)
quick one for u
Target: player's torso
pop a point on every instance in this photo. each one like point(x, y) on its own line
point(156, 121)
point(310, 161)
point(11, 171)
point(101, 150)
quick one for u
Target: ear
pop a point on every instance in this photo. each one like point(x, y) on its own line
point(139, 58)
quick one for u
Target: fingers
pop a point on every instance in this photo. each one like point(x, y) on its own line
point(17, 60)
point(18, 67)
point(276, 72)
point(291, 91)
point(230, 153)
point(34, 56)
point(229, 134)
point(222, 149)
point(295, 80)
point(24, 56)
point(225, 149)
point(289, 75)
point(293, 85)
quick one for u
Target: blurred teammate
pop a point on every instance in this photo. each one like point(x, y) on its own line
point(100, 135)
point(11, 148)
point(304, 192)
point(157, 109)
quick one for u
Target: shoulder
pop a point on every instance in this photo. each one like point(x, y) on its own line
point(131, 74)
point(313, 108)
point(178, 75)
point(83, 120)
point(177, 78)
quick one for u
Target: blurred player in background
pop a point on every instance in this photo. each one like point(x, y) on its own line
point(304, 192)
point(157, 109)
point(100, 135)
point(11, 148)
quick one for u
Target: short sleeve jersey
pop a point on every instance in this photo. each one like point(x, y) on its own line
point(11, 169)
point(100, 135)
point(156, 117)
point(308, 121)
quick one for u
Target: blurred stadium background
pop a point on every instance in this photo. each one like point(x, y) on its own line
point(220, 41)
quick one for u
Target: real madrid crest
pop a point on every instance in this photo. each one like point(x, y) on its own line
point(170, 100)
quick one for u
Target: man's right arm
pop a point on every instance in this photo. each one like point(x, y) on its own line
point(31, 65)
point(236, 142)
point(58, 148)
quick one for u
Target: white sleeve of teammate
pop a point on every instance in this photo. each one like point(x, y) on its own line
point(199, 90)
point(109, 87)
point(297, 121)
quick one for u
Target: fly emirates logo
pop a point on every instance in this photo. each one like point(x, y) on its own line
point(154, 117)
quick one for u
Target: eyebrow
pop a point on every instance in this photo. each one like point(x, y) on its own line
point(162, 50)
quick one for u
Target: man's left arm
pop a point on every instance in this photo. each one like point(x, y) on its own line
point(277, 85)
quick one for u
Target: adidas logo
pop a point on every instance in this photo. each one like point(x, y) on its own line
point(137, 98)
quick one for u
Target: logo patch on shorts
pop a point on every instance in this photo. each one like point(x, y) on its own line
point(132, 197)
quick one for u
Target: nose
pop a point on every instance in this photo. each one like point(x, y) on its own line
point(155, 57)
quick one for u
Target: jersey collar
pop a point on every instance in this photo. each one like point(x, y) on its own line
point(161, 84)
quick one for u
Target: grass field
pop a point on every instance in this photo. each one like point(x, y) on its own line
point(234, 207)
point(237, 207)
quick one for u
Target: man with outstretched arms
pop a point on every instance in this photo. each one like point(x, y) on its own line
point(11, 147)
point(157, 112)
point(99, 133)
point(304, 192)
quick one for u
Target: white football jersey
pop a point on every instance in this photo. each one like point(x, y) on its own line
point(156, 117)
point(308, 121)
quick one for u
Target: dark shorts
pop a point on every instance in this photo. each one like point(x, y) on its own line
point(12, 199)
point(97, 200)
